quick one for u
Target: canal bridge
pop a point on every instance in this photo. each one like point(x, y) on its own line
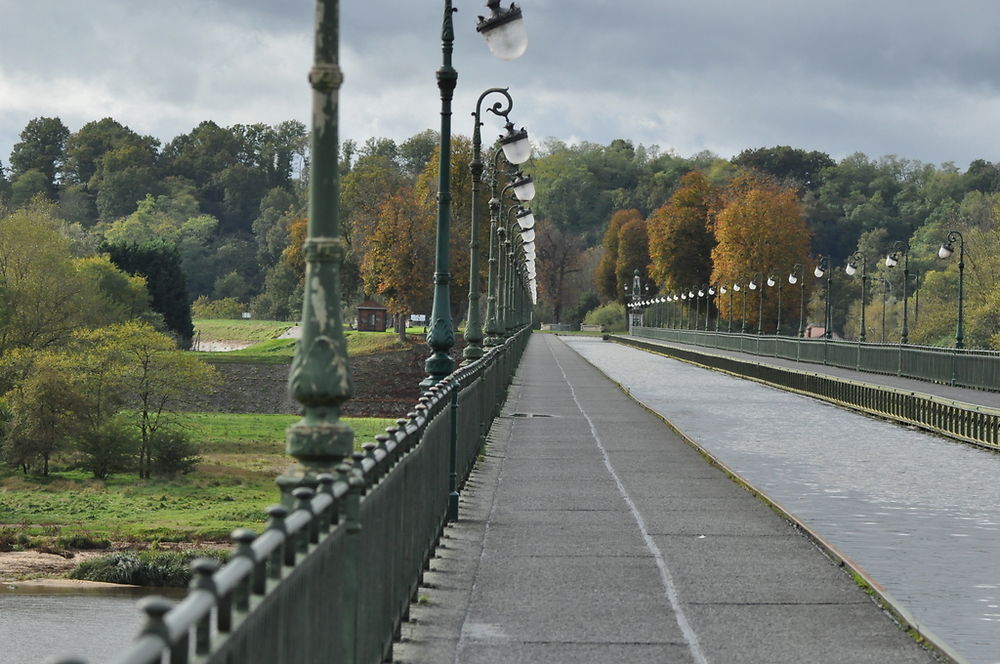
point(630, 500)
point(633, 499)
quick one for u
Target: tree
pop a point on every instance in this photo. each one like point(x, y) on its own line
point(681, 236)
point(633, 252)
point(160, 264)
point(401, 256)
point(26, 187)
point(606, 276)
point(157, 379)
point(42, 148)
point(558, 259)
point(786, 164)
point(759, 230)
point(47, 293)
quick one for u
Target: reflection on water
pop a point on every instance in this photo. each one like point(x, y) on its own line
point(38, 623)
point(919, 513)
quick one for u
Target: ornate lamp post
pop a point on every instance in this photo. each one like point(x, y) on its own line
point(772, 282)
point(722, 291)
point(473, 328)
point(743, 326)
point(818, 273)
point(852, 269)
point(504, 32)
point(795, 276)
point(756, 285)
point(710, 293)
point(946, 250)
point(521, 186)
point(320, 378)
point(892, 260)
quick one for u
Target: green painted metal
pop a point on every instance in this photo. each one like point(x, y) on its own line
point(320, 378)
point(473, 328)
point(978, 369)
point(332, 576)
point(441, 334)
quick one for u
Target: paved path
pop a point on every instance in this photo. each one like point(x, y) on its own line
point(592, 533)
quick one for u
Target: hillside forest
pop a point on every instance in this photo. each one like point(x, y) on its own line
point(212, 221)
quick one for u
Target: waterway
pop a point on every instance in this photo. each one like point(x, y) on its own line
point(39, 623)
point(919, 513)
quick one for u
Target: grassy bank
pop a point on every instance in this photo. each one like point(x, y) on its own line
point(240, 457)
point(281, 351)
point(245, 331)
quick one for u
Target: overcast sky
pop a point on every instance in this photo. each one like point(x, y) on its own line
point(915, 78)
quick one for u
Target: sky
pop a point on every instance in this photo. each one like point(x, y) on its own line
point(919, 79)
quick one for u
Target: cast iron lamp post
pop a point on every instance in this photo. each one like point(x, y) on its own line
point(756, 285)
point(523, 189)
point(795, 276)
point(827, 312)
point(710, 290)
point(771, 283)
point(722, 291)
point(504, 32)
point(473, 328)
point(743, 325)
point(852, 269)
point(946, 250)
point(320, 378)
point(892, 260)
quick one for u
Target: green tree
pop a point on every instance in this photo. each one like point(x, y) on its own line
point(42, 148)
point(26, 187)
point(160, 265)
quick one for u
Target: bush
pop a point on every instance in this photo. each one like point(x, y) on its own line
point(611, 317)
point(110, 448)
point(226, 308)
point(161, 569)
point(173, 453)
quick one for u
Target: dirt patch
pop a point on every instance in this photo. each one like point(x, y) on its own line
point(385, 385)
point(20, 564)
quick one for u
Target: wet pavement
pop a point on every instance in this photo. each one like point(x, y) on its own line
point(591, 532)
point(918, 513)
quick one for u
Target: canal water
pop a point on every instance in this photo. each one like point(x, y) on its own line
point(919, 513)
point(38, 623)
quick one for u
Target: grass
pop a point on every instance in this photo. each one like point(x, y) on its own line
point(244, 331)
point(281, 351)
point(241, 456)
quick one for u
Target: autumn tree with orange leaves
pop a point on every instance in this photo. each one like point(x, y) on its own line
point(759, 230)
point(606, 275)
point(633, 254)
point(681, 236)
point(400, 257)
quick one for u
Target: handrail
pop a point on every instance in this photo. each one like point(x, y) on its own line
point(961, 367)
point(249, 594)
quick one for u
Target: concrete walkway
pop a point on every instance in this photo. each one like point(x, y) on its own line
point(592, 533)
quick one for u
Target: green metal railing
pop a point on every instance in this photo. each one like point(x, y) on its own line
point(977, 369)
point(971, 423)
point(332, 578)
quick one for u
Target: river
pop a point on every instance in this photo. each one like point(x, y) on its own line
point(40, 622)
point(919, 513)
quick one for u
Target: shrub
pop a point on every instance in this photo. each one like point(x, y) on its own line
point(162, 569)
point(173, 453)
point(611, 317)
point(109, 448)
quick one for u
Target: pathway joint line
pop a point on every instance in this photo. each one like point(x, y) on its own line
point(666, 578)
